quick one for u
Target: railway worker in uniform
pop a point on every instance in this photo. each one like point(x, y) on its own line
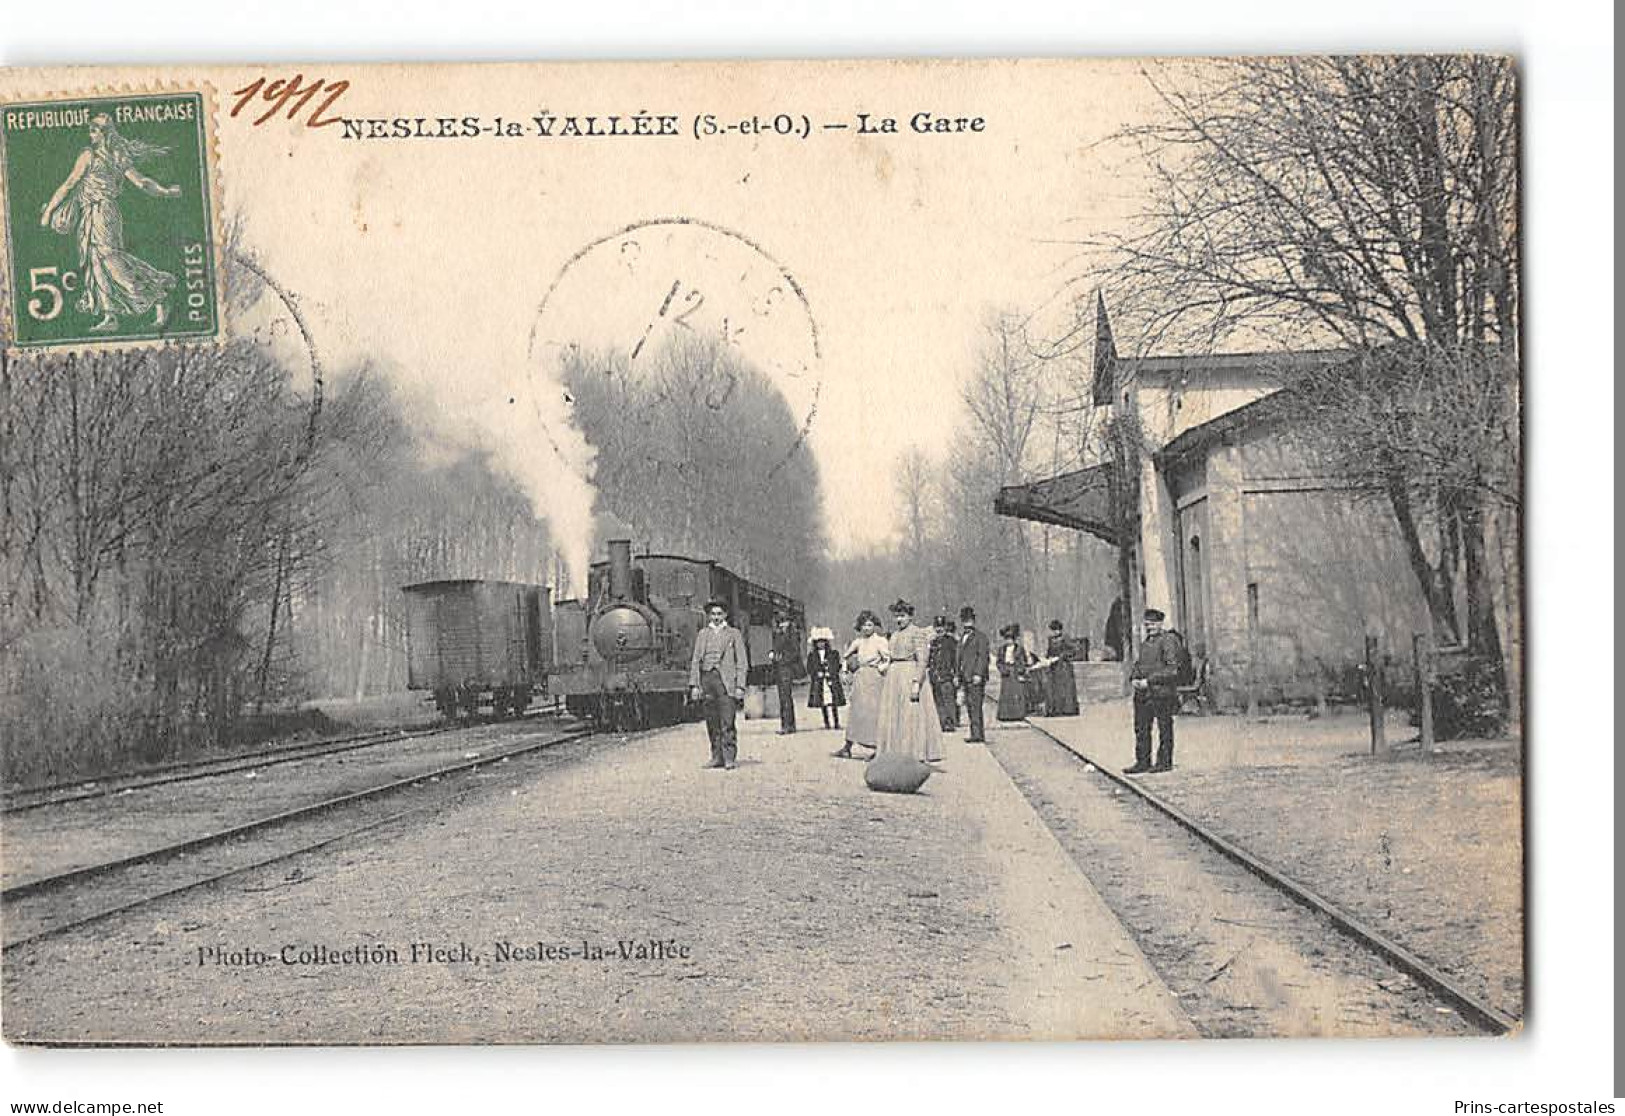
point(1061, 686)
point(971, 669)
point(944, 672)
point(1156, 694)
point(716, 674)
point(867, 658)
point(908, 714)
point(824, 677)
point(785, 656)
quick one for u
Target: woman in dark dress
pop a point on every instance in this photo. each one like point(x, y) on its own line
point(824, 692)
point(1061, 689)
point(1037, 681)
point(1012, 663)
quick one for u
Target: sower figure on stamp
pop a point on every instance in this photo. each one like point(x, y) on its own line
point(974, 656)
point(786, 654)
point(716, 674)
point(943, 669)
point(116, 282)
point(1156, 694)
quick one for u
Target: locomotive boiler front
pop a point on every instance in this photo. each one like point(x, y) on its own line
point(624, 631)
point(623, 634)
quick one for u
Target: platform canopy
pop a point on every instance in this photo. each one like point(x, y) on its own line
point(1080, 500)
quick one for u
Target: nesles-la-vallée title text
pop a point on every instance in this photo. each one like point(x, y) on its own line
point(646, 125)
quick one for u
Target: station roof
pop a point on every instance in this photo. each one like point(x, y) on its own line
point(1214, 430)
point(1080, 500)
point(1280, 364)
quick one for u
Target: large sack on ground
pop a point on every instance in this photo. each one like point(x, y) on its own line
point(895, 773)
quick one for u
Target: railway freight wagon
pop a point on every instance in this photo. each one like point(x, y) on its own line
point(476, 643)
point(622, 651)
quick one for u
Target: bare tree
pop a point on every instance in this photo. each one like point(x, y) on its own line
point(1369, 204)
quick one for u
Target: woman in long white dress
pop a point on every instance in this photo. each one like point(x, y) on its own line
point(867, 657)
point(908, 716)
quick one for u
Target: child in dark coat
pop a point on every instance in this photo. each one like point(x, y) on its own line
point(824, 692)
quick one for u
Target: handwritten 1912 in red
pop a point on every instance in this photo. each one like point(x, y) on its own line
point(292, 95)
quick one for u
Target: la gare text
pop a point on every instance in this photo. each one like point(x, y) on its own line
point(644, 125)
point(924, 123)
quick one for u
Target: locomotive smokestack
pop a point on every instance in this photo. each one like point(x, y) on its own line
point(620, 568)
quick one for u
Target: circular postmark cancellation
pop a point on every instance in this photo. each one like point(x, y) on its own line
point(110, 220)
point(631, 295)
point(267, 314)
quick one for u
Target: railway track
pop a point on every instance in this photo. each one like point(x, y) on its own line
point(80, 790)
point(1473, 1009)
point(53, 904)
point(57, 794)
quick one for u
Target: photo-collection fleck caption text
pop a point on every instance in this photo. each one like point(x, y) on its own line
point(319, 954)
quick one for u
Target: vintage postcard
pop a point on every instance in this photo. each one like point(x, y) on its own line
point(674, 552)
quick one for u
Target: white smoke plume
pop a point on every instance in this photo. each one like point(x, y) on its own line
point(531, 435)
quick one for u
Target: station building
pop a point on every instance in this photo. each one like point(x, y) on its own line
point(1222, 515)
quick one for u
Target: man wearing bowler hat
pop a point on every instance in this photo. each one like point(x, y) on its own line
point(972, 668)
point(1156, 694)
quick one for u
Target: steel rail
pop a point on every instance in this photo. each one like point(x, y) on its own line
point(144, 900)
point(204, 769)
point(62, 880)
point(185, 765)
point(1471, 1007)
point(110, 785)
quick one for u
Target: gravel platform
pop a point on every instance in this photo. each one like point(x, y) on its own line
point(1244, 960)
point(632, 897)
point(1428, 850)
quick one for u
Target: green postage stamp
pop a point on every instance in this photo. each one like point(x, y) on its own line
point(109, 220)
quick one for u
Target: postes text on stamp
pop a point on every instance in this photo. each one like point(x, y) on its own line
point(109, 220)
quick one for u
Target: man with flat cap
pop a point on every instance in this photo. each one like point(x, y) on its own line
point(972, 668)
point(1156, 694)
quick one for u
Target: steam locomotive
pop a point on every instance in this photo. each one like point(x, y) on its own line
point(618, 656)
point(622, 651)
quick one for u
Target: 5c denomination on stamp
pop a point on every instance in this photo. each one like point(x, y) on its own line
point(110, 218)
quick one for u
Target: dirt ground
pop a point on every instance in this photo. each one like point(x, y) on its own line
point(633, 897)
point(1245, 960)
point(1426, 849)
point(75, 834)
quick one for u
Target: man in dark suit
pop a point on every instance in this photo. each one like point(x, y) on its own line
point(1156, 694)
point(785, 657)
point(716, 673)
point(974, 656)
point(942, 667)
